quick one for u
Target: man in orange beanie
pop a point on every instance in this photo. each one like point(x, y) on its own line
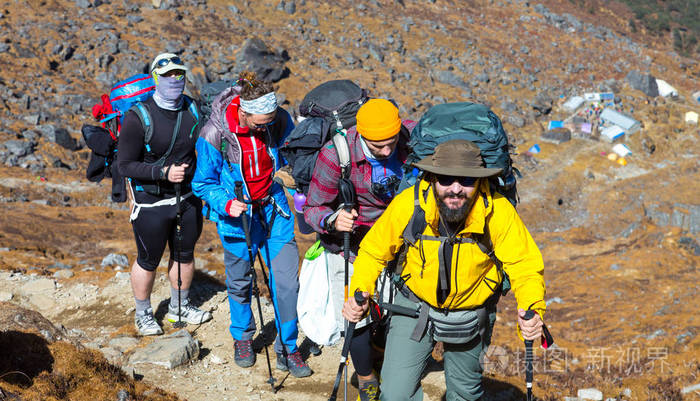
point(378, 149)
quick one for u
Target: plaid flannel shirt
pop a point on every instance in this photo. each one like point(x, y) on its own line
point(322, 198)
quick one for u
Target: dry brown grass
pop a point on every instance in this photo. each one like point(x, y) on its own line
point(36, 370)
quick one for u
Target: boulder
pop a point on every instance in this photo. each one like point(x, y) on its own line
point(169, 351)
point(115, 259)
point(542, 103)
point(590, 394)
point(257, 57)
point(19, 148)
point(16, 318)
point(450, 78)
point(515, 120)
point(39, 286)
point(557, 135)
point(643, 82)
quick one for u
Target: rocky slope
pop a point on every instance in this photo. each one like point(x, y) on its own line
point(620, 242)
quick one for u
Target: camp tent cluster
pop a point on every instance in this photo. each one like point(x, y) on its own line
point(596, 109)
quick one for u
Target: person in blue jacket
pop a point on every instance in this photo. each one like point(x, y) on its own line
point(240, 143)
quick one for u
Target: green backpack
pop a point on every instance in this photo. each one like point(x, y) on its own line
point(469, 121)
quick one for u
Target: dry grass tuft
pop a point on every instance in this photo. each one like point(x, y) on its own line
point(61, 371)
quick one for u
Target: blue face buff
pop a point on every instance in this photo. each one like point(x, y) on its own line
point(169, 90)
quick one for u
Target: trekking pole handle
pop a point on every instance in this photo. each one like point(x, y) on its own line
point(401, 310)
point(350, 329)
point(346, 245)
point(238, 190)
point(529, 314)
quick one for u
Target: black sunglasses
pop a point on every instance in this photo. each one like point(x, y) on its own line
point(165, 61)
point(266, 125)
point(447, 180)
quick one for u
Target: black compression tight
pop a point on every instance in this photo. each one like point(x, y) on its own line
point(361, 351)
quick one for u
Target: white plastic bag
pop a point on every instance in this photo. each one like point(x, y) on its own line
point(315, 305)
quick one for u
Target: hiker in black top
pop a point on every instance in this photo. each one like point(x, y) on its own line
point(136, 162)
point(157, 154)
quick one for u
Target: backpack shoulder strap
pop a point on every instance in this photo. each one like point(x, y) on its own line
point(486, 245)
point(144, 115)
point(194, 111)
point(146, 120)
point(340, 142)
point(192, 107)
point(416, 225)
point(484, 242)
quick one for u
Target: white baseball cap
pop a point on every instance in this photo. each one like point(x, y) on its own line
point(165, 62)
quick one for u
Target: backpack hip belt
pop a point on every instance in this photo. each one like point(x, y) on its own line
point(136, 207)
point(276, 209)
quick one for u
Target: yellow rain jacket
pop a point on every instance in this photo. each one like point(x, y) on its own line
point(470, 266)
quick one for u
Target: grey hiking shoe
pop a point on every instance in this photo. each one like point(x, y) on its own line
point(189, 313)
point(293, 363)
point(146, 324)
point(369, 391)
point(243, 353)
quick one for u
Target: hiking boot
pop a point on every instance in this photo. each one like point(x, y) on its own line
point(189, 313)
point(369, 391)
point(243, 353)
point(314, 349)
point(146, 324)
point(293, 363)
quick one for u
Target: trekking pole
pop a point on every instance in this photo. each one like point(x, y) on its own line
point(284, 348)
point(346, 256)
point(529, 314)
point(349, 332)
point(274, 309)
point(178, 244)
point(347, 196)
point(246, 229)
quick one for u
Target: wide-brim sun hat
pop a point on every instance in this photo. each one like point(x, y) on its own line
point(174, 63)
point(459, 158)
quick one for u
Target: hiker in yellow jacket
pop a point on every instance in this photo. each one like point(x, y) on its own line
point(447, 277)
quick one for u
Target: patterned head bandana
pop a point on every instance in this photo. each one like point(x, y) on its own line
point(265, 104)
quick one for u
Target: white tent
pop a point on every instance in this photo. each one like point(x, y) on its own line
point(665, 89)
point(573, 103)
point(612, 133)
point(691, 117)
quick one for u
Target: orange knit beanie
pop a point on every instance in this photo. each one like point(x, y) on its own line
point(378, 120)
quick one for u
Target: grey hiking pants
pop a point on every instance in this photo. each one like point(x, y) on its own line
point(283, 281)
point(405, 360)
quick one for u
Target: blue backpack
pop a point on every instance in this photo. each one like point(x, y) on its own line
point(125, 95)
point(130, 94)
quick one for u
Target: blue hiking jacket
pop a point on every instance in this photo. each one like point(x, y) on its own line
point(216, 174)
